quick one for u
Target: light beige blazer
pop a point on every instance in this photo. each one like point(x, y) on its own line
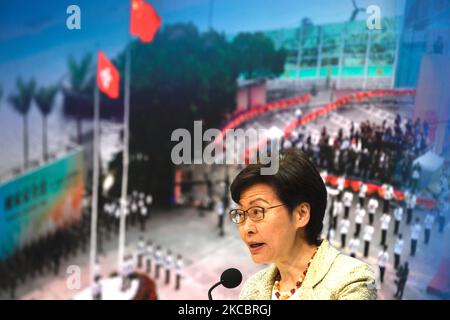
point(331, 276)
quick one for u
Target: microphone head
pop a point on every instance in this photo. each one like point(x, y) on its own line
point(231, 278)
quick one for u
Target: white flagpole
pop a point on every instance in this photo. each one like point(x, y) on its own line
point(125, 157)
point(95, 178)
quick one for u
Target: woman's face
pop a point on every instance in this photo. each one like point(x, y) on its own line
point(270, 239)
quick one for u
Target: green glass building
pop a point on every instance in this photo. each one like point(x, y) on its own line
point(339, 50)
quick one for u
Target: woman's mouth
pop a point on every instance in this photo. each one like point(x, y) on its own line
point(255, 246)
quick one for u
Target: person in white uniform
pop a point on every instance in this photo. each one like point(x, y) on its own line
point(354, 246)
point(415, 233)
point(345, 226)
point(178, 271)
point(428, 224)
point(398, 248)
point(97, 289)
point(168, 264)
point(362, 194)
point(149, 256)
point(348, 200)
point(367, 237)
point(411, 200)
point(372, 207)
point(128, 269)
point(148, 203)
point(330, 206)
point(338, 210)
point(360, 213)
point(398, 215)
point(219, 207)
point(383, 258)
point(158, 261)
point(143, 213)
point(387, 197)
point(140, 251)
point(415, 176)
point(331, 235)
point(385, 220)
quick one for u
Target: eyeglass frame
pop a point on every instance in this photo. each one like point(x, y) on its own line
point(245, 212)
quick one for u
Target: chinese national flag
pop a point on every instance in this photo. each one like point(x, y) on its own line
point(108, 77)
point(144, 20)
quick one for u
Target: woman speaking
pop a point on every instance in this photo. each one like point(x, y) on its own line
point(280, 218)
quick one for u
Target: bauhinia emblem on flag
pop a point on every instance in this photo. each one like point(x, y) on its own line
point(108, 77)
point(144, 20)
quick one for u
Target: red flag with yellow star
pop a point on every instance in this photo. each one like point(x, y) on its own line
point(145, 21)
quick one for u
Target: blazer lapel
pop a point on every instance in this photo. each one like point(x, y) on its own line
point(320, 265)
point(264, 290)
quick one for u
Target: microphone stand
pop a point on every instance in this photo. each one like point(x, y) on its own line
point(212, 288)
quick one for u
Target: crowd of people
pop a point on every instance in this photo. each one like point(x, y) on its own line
point(401, 217)
point(159, 262)
point(381, 154)
point(43, 256)
point(150, 262)
point(137, 211)
point(369, 151)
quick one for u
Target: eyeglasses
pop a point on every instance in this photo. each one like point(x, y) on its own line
point(238, 216)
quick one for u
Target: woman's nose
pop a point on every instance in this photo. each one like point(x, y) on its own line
point(249, 226)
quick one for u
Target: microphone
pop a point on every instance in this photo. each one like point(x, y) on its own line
point(230, 279)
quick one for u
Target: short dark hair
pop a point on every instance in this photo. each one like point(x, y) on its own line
point(296, 181)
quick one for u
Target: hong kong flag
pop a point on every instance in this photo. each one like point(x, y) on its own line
point(144, 20)
point(108, 77)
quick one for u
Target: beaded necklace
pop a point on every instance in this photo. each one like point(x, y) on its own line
point(298, 284)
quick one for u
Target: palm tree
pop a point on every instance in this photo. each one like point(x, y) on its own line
point(78, 77)
point(44, 100)
point(21, 102)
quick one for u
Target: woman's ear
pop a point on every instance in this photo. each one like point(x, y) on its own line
point(302, 214)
